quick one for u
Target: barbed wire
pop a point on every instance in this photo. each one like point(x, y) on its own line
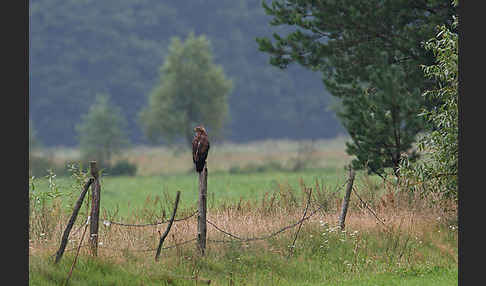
point(369, 209)
point(148, 249)
point(108, 222)
point(239, 239)
point(261, 237)
point(135, 250)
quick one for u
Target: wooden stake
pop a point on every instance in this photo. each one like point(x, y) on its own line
point(70, 224)
point(95, 209)
point(162, 238)
point(202, 207)
point(345, 204)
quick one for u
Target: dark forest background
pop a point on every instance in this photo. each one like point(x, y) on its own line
point(81, 48)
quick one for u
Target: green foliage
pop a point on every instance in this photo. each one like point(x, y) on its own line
point(382, 121)
point(102, 132)
point(122, 168)
point(44, 205)
point(39, 165)
point(438, 169)
point(79, 48)
point(192, 90)
point(369, 54)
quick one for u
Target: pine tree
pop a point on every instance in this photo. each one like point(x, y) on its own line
point(369, 53)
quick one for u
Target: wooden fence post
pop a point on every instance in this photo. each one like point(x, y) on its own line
point(201, 217)
point(95, 209)
point(77, 206)
point(345, 204)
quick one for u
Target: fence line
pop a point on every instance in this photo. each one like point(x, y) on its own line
point(261, 237)
point(136, 250)
point(149, 249)
point(212, 240)
point(148, 224)
point(368, 207)
point(299, 223)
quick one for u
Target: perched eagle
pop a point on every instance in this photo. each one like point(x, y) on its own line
point(200, 148)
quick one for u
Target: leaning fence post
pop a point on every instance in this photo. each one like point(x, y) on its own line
point(344, 206)
point(163, 236)
point(70, 224)
point(95, 209)
point(201, 217)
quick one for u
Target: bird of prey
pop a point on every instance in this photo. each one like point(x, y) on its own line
point(200, 148)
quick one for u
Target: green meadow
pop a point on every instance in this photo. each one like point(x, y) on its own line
point(253, 190)
point(129, 194)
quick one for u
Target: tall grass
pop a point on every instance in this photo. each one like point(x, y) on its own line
point(417, 242)
point(392, 237)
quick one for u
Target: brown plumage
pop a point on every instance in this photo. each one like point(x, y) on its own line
point(200, 148)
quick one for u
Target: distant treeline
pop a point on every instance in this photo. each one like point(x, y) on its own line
point(81, 48)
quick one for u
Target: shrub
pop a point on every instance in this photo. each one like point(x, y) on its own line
point(122, 168)
point(40, 166)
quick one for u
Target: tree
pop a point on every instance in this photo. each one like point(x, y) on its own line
point(74, 49)
point(369, 53)
point(192, 90)
point(382, 122)
point(101, 132)
point(438, 168)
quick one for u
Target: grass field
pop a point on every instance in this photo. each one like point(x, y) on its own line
point(415, 249)
point(237, 171)
point(130, 194)
point(253, 190)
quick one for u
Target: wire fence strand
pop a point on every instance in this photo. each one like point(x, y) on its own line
point(261, 237)
point(148, 249)
point(147, 224)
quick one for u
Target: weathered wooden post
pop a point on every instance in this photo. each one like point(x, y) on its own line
point(95, 209)
point(201, 216)
point(77, 206)
point(345, 204)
